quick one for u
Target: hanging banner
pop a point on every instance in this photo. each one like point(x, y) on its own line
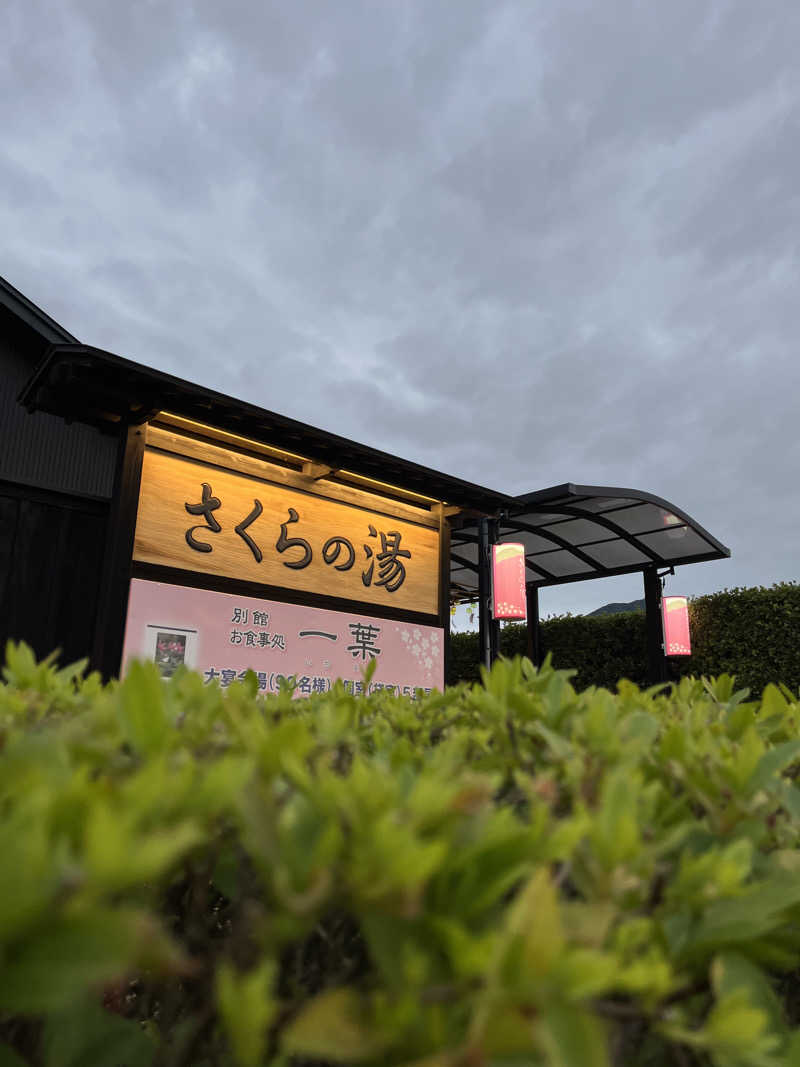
point(508, 581)
point(222, 635)
point(675, 613)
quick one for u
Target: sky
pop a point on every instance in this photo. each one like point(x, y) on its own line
point(520, 242)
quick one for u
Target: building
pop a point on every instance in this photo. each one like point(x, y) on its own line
point(108, 512)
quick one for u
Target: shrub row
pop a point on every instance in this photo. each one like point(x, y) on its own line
point(600, 650)
point(506, 874)
point(751, 633)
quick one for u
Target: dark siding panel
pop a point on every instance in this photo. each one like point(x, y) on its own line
point(50, 558)
point(41, 450)
point(9, 513)
point(76, 608)
point(28, 593)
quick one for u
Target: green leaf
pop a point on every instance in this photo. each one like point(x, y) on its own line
point(559, 746)
point(332, 1026)
point(760, 910)
point(773, 762)
point(615, 833)
point(247, 1007)
point(773, 702)
point(141, 708)
point(88, 1036)
point(731, 971)
point(792, 1050)
point(387, 938)
point(585, 972)
point(534, 921)
point(508, 1034)
point(641, 727)
point(791, 799)
point(368, 673)
point(64, 959)
point(588, 924)
point(737, 1028)
point(29, 872)
point(20, 669)
point(570, 1037)
point(118, 856)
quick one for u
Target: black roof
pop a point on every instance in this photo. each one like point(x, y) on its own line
point(575, 532)
point(32, 316)
point(90, 385)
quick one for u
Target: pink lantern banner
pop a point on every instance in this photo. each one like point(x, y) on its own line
point(222, 635)
point(675, 613)
point(508, 581)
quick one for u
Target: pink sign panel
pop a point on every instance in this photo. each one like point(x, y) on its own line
point(508, 581)
point(675, 612)
point(223, 635)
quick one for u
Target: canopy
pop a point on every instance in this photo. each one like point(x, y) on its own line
point(575, 532)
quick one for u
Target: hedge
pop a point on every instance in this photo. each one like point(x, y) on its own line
point(511, 873)
point(753, 634)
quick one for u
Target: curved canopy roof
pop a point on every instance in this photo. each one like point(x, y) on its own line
point(575, 532)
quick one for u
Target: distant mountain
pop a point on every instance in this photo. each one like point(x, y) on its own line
point(617, 609)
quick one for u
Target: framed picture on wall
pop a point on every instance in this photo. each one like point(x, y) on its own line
point(169, 647)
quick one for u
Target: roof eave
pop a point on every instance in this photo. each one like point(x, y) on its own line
point(89, 384)
point(32, 316)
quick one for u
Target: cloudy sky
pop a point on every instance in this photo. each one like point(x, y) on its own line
point(522, 242)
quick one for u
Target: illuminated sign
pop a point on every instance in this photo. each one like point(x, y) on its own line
point(508, 581)
point(217, 513)
point(675, 613)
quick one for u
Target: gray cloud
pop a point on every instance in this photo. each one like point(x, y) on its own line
point(521, 243)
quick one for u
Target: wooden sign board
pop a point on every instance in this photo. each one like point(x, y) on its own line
point(198, 517)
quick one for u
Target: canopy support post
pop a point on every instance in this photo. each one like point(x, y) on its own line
point(485, 654)
point(656, 660)
point(494, 624)
point(534, 644)
point(488, 628)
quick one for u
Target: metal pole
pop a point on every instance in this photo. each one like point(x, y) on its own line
point(656, 660)
point(484, 591)
point(534, 644)
point(494, 624)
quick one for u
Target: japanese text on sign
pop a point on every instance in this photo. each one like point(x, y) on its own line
point(223, 635)
point(391, 569)
point(208, 520)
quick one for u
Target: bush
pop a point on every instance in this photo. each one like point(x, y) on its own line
point(599, 650)
point(504, 874)
point(752, 633)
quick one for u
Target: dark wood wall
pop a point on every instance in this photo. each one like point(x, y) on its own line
point(42, 450)
point(51, 554)
point(56, 481)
